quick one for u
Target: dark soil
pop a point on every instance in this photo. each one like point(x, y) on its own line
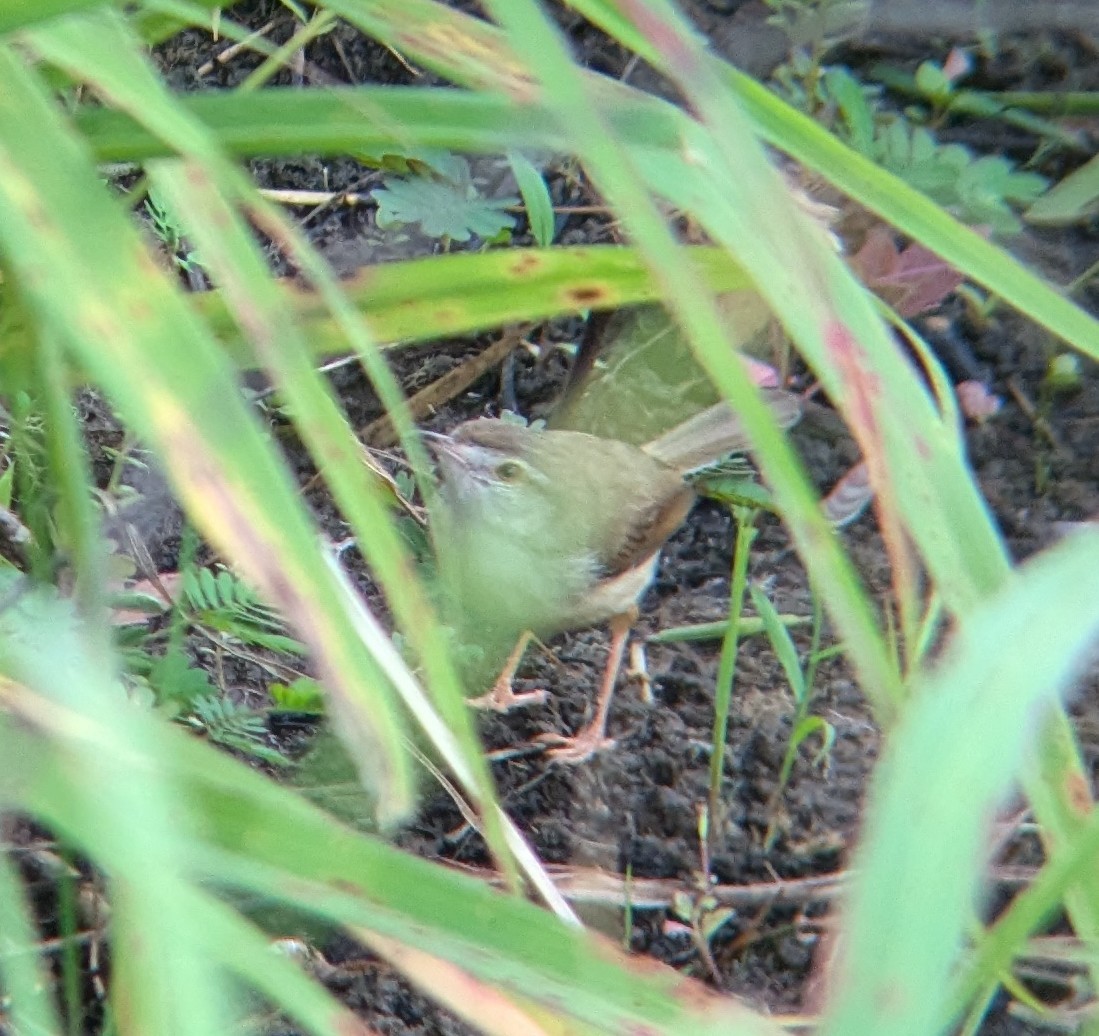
point(636, 808)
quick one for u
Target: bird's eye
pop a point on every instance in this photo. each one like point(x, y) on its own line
point(509, 470)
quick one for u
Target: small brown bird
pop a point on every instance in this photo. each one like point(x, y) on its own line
point(539, 532)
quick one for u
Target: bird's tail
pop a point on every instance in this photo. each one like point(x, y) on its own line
point(715, 433)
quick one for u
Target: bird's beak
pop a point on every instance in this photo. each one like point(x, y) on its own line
point(450, 459)
point(435, 440)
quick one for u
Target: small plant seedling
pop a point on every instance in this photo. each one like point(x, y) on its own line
point(813, 28)
point(746, 532)
point(702, 914)
point(698, 908)
point(981, 190)
point(536, 198)
point(233, 726)
point(223, 603)
point(801, 684)
point(167, 228)
point(161, 667)
point(445, 206)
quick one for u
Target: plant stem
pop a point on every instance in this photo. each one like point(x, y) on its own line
point(745, 536)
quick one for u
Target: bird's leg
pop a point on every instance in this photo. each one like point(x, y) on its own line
point(502, 697)
point(584, 744)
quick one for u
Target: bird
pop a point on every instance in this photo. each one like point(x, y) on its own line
point(541, 531)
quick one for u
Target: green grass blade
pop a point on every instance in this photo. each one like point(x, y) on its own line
point(247, 953)
point(23, 975)
point(22, 14)
point(1073, 199)
point(950, 762)
point(161, 981)
point(535, 197)
point(419, 300)
point(779, 635)
point(835, 325)
point(1033, 907)
point(370, 119)
point(422, 299)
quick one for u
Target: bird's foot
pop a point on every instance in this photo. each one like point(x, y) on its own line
point(576, 749)
point(503, 697)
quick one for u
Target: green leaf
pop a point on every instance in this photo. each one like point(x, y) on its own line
point(781, 641)
point(1075, 197)
point(303, 695)
point(933, 82)
point(174, 679)
point(806, 727)
point(443, 208)
point(536, 197)
point(850, 97)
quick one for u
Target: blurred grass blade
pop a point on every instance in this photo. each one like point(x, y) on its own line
point(228, 248)
point(1030, 910)
point(281, 121)
point(1073, 199)
point(244, 832)
point(23, 975)
point(21, 14)
point(83, 269)
point(141, 940)
point(883, 193)
point(477, 1003)
point(270, 970)
point(417, 300)
point(949, 763)
point(162, 982)
point(835, 325)
point(468, 50)
point(159, 922)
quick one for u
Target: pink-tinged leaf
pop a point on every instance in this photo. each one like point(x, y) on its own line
point(976, 402)
point(864, 393)
point(763, 374)
point(911, 281)
point(958, 64)
point(862, 387)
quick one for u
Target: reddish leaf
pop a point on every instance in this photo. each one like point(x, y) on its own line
point(912, 281)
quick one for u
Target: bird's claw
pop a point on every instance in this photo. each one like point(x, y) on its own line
point(503, 698)
point(577, 749)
